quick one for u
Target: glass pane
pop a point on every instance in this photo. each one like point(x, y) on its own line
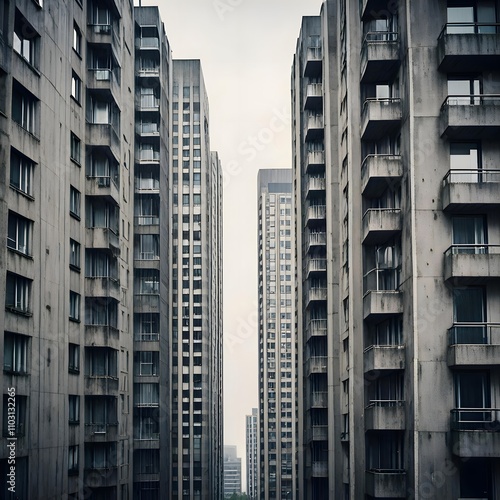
point(468, 305)
point(461, 15)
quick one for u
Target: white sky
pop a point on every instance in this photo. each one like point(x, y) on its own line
point(246, 49)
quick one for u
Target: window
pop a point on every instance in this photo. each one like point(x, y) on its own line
point(147, 247)
point(101, 362)
point(146, 326)
point(146, 363)
point(17, 296)
point(74, 202)
point(464, 90)
point(147, 281)
point(25, 39)
point(463, 14)
point(74, 255)
point(469, 315)
point(19, 233)
point(185, 92)
point(101, 312)
point(73, 454)
point(24, 108)
point(465, 161)
point(21, 172)
point(17, 427)
point(99, 264)
point(74, 409)
point(197, 199)
point(77, 39)
point(100, 112)
point(15, 354)
point(100, 17)
point(74, 306)
point(100, 456)
point(74, 358)
point(146, 395)
point(472, 390)
point(76, 87)
point(469, 234)
point(76, 148)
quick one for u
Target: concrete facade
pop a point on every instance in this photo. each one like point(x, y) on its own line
point(277, 343)
point(411, 168)
point(67, 148)
point(252, 449)
point(196, 355)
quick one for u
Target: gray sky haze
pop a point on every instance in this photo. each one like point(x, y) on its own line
point(246, 49)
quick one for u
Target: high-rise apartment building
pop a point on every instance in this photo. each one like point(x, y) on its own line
point(252, 449)
point(152, 256)
point(232, 472)
point(409, 95)
point(196, 333)
point(67, 149)
point(277, 350)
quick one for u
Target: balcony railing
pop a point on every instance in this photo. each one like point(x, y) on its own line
point(147, 220)
point(474, 333)
point(471, 176)
point(147, 337)
point(147, 256)
point(317, 326)
point(382, 279)
point(469, 29)
point(475, 419)
point(380, 36)
point(316, 212)
point(473, 250)
point(100, 428)
point(104, 181)
point(149, 42)
point(385, 403)
point(471, 100)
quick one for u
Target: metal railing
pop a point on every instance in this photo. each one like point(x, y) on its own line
point(385, 403)
point(149, 42)
point(471, 100)
point(316, 212)
point(469, 29)
point(104, 181)
point(474, 333)
point(380, 214)
point(382, 279)
point(461, 249)
point(384, 347)
point(380, 36)
point(147, 220)
point(385, 101)
point(486, 419)
point(471, 176)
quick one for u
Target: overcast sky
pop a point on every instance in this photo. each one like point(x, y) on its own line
point(246, 49)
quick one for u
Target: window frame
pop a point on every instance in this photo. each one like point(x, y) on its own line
point(18, 345)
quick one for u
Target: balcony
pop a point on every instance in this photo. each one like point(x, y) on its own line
point(314, 129)
point(102, 286)
point(149, 71)
point(380, 305)
point(318, 400)
point(380, 118)
point(471, 190)
point(102, 335)
point(147, 128)
point(314, 97)
point(315, 267)
point(147, 303)
point(315, 186)
point(105, 34)
point(370, 7)
point(104, 186)
point(315, 162)
point(148, 103)
point(385, 416)
point(147, 220)
point(379, 56)
point(101, 432)
point(313, 61)
point(317, 327)
point(101, 477)
point(471, 264)
point(380, 224)
point(379, 172)
point(104, 238)
point(105, 135)
point(101, 386)
point(316, 364)
point(317, 432)
point(148, 156)
point(474, 345)
point(319, 468)
point(384, 357)
point(475, 432)
point(105, 80)
point(315, 294)
point(470, 117)
point(315, 214)
point(315, 240)
point(148, 43)
point(475, 46)
point(385, 483)
point(382, 279)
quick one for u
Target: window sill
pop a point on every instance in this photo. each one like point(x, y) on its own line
point(77, 53)
point(76, 101)
point(20, 312)
point(74, 320)
point(75, 268)
point(75, 216)
point(22, 254)
point(30, 66)
point(73, 422)
point(73, 472)
point(76, 162)
point(74, 371)
point(23, 193)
